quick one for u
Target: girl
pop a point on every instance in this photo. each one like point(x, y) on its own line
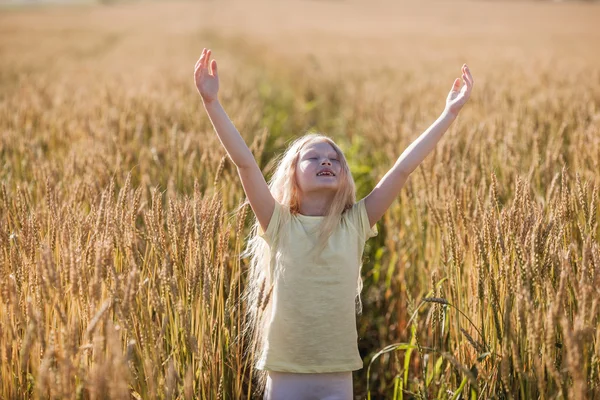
point(307, 245)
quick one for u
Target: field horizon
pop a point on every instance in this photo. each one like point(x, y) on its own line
point(120, 232)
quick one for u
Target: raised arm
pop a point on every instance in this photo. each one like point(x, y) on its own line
point(382, 196)
point(206, 79)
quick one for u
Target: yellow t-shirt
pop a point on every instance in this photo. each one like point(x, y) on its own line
point(312, 327)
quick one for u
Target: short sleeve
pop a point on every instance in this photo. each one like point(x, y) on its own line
point(359, 217)
point(273, 226)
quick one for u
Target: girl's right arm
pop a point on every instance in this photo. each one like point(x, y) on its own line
point(254, 184)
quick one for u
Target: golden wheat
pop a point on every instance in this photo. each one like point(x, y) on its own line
point(120, 274)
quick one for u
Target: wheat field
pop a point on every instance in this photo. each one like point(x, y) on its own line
point(120, 274)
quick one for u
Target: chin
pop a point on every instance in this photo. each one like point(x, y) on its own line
point(329, 187)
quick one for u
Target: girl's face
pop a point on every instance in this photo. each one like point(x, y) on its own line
point(319, 168)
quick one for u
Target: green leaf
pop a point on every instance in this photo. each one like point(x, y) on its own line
point(413, 334)
point(460, 389)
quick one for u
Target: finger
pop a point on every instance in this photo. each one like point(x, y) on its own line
point(465, 93)
point(455, 85)
point(198, 73)
point(469, 76)
point(467, 73)
point(200, 66)
point(213, 68)
point(201, 59)
point(198, 63)
point(468, 84)
point(207, 60)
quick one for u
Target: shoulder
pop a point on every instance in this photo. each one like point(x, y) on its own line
point(280, 215)
point(357, 216)
point(354, 210)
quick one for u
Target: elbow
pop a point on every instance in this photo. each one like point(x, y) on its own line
point(403, 174)
point(402, 170)
point(241, 161)
point(244, 160)
point(240, 165)
point(246, 165)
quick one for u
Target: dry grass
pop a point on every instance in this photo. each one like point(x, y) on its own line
point(119, 274)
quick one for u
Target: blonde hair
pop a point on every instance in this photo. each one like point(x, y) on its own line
point(284, 188)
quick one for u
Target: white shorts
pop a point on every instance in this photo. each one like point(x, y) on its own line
point(322, 386)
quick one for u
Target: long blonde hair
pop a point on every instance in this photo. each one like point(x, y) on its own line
point(284, 188)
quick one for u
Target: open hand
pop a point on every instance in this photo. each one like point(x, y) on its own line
point(206, 79)
point(458, 96)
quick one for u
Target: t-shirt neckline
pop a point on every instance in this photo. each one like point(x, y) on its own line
point(309, 217)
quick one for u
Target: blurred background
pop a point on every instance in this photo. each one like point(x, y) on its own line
point(119, 227)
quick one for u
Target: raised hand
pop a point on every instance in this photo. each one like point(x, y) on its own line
point(458, 96)
point(206, 77)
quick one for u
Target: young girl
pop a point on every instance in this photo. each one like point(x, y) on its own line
point(307, 245)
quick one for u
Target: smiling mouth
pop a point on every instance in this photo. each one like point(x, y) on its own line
point(325, 173)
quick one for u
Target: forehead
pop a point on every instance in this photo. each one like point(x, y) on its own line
point(320, 147)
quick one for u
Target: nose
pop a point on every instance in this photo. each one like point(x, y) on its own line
point(326, 162)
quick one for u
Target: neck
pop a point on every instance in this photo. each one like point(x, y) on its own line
point(315, 204)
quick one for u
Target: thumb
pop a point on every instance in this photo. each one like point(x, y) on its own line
point(213, 68)
point(456, 85)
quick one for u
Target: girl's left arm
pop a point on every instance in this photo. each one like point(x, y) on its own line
point(388, 188)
